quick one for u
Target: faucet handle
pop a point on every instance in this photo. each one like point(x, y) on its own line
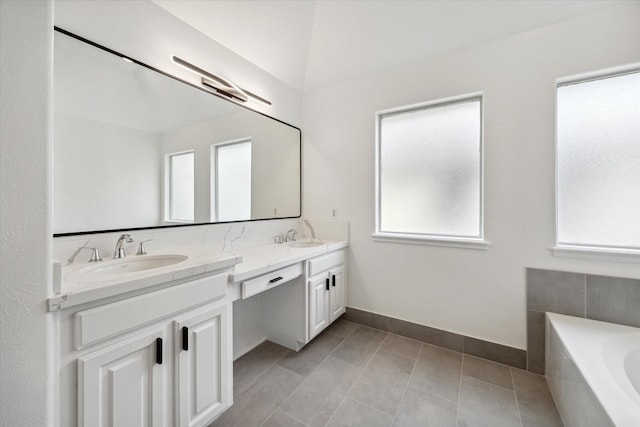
point(141, 249)
point(95, 254)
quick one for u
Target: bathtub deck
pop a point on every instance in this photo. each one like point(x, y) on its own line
point(585, 389)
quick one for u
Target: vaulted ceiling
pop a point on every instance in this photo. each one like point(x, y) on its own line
point(312, 43)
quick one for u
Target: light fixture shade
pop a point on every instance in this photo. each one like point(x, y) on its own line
point(220, 84)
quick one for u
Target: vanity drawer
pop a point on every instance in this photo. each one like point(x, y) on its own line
point(325, 262)
point(108, 320)
point(270, 280)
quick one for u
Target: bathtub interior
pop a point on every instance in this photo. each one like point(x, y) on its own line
point(632, 368)
point(621, 354)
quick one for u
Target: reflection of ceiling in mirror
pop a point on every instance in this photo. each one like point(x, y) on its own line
point(97, 85)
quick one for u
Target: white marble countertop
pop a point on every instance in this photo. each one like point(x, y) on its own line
point(263, 259)
point(78, 288)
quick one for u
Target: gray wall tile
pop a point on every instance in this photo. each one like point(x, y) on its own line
point(406, 329)
point(496, 352)
point(428, 335)
point(367, 318)
point(612, 299)
point(535, 341)
point(485, 349)
point(556, 291)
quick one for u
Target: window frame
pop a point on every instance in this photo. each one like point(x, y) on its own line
point(583, 251)
point(470, 242)
point(168, 195)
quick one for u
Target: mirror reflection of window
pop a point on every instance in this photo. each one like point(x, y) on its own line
point(181, 186)
point(231, 175)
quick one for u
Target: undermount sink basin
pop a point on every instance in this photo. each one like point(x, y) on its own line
point(132, 264)
point(304, 244)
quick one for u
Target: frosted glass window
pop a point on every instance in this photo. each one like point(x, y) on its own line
point(181, 188)
point(598, 149)
point(430, 161)
point(233, 181)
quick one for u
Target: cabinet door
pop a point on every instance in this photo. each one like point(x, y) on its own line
point(123, 384)
point(318, 304)
point(204, 364)
point(336, 293)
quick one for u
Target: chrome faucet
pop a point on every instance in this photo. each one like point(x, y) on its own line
point(119, 252)
point(313, 232)
point(293, 233)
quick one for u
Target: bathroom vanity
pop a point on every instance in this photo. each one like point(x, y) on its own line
point(149, 340)
point(154, 346)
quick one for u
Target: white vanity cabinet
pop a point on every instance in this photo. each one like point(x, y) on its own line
point(326, 284)
point(158, 359)
point(203, 385)
point(123, 384)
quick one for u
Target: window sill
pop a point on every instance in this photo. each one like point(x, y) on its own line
point(596, 253)
point(419, 239)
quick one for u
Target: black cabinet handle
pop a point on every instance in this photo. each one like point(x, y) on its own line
point(327, 283)
point(185, 338)
point(159, 351)
point(277, 279)
point(333, 280)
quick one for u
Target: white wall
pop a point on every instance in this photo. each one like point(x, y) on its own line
point(27, 339)
point(25, 220)
point(275, 158)
point(105, 176)
point(475, 293)
point(146, 32)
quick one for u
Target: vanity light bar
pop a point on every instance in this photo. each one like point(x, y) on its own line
point(231, 92)
point(220, 84)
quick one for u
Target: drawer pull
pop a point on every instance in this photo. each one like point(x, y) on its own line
point(159, 351)
point(185, 338)
point(277, 279)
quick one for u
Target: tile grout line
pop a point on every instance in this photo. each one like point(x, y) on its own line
point(305, 378)
point(460, 388)
point(346, 395)
point(406, 387)
point(585, 296)
point(515, 393)
point(255, 380)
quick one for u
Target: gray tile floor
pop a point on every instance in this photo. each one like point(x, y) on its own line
point(351, 375)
